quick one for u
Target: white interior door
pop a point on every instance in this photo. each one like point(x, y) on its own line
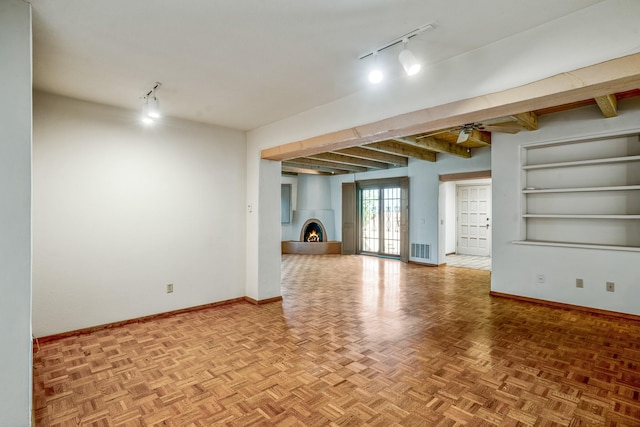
point(474, 220)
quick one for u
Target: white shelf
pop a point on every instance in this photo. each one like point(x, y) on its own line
point(606, 179)
point(576, 245)
point(581, 216)
point(583, 162)
point(581, 189)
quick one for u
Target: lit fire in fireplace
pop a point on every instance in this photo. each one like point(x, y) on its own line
point(313, 237)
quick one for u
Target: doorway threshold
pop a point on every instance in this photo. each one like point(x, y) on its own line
point(469, 261)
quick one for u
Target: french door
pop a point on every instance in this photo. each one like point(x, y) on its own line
point(383, 212)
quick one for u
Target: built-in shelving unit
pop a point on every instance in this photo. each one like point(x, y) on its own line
point(579, 189)
point(583, 193)
point(623, 159)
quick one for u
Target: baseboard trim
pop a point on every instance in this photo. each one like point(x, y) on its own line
point(561, 305)
point(142, 319)
point(262, 301)
point(426, 264)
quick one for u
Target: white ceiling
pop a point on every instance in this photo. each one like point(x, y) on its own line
point(246, 63)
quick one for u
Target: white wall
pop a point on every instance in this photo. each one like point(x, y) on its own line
point(263, 228)
point(515, 267)
point(15, 213)
point(269, 247)
point(121, 209)
point(424, 225)
point(449, 190)
point(313, 200)
point(287, 231)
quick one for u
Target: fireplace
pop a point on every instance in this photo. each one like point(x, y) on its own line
point(312, 222)
point(312, 231)
point(313, 241)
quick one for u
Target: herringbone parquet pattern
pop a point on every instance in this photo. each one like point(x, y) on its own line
point(355, 341)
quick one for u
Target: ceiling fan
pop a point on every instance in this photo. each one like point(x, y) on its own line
point(500, 124)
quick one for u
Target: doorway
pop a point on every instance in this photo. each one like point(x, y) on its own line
point(381, 219)
point(473, 219)
point(465, 220)
point(375, 217)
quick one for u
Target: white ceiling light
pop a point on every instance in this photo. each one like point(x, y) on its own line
point(406, 57)
point(151, 106)
point(375, 75)
point(408, 60)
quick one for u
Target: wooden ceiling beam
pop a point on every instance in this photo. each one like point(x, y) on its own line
point(479, 137)
point(616, 75)
point(379, 156)
point(608, 104)
point(432, 143)
point(292, 170)
point(329, 165)
point(401, 149)
point(294, 166)
point(349, 160)
point(528, 120)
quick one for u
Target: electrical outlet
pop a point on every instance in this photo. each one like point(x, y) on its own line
point(610, 287)
point(540, 278)
point(169, 288)
point(579, 283)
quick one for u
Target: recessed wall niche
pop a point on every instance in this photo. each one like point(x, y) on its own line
point(582, 193)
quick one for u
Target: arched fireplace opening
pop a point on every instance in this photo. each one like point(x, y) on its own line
point(312, 231)
point(313, 241)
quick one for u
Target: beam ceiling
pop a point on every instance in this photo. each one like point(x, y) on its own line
point(423, 133)
point(391, 159)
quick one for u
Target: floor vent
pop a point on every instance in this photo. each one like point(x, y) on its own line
point(420, 250)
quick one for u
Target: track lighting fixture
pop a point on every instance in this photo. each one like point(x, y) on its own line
point(408, 60)
point(151, 106)
point(406, 57)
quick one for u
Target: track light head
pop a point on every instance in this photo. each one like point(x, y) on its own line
point(408, 60)
point(144, 118)
point(151, 106)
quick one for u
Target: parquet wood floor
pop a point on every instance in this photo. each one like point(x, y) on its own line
point(355, 341)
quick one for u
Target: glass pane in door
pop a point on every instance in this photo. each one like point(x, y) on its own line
point(370, 219)
point(391, 237)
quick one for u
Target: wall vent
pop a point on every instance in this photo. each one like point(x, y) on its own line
point(420, 250)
